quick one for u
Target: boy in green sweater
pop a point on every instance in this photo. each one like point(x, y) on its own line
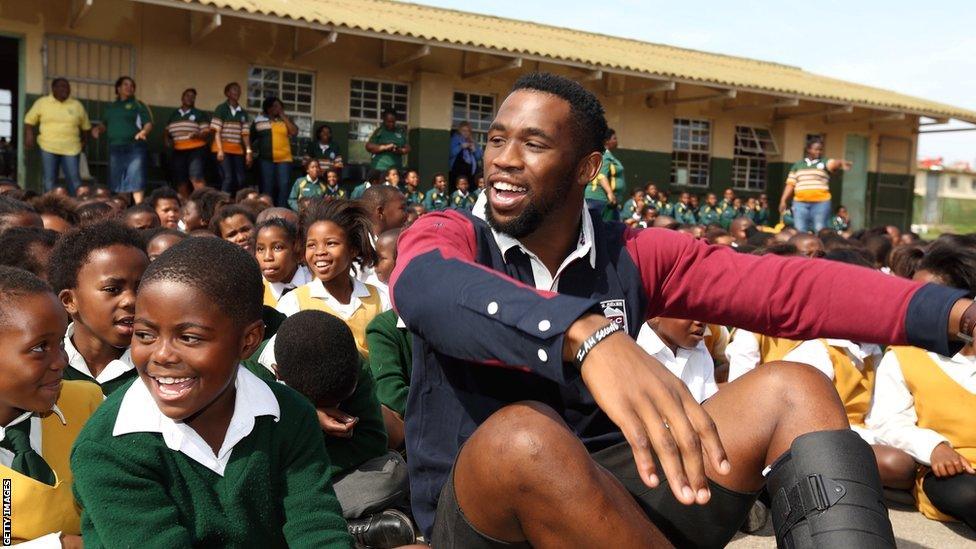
point(198, 451)
point(316, 355)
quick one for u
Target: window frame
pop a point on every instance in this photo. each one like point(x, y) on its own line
point(356, 134)
point(695, 154)
point(752, 151)
point(295, 115)
point(479, 127)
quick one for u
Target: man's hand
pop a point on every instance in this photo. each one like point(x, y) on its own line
point(947, 462)
point(654, 410)
point(248, 159)
point(97, 131)
point(336, 423)
point(783, 207)
point(141, 136)
point(220, 156)
point(29, 140)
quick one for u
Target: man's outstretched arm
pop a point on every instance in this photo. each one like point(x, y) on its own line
point(797, 298)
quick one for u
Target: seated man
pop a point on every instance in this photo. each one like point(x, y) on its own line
point(552, 428)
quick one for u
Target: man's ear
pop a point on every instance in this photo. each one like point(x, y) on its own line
point(253, 336)
point(589, 167)
point(67, 298)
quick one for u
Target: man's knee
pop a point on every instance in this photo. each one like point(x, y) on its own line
point(802, 389)
point(522, 431)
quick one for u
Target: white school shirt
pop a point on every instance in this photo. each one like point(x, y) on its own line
point(301, 277)
point(814, 353)
point(544, 280)
point(893, 415)
point(139, 413)
point(112, 370)
point(742, 353)
point(694, 367)
point(288, 305)
point(6, 456)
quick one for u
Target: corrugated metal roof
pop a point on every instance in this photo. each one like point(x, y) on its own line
point(463, 29)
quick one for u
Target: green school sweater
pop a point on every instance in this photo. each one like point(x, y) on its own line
point(109, 387)
point(276, 491)
point(369, 438)
point(390, 359)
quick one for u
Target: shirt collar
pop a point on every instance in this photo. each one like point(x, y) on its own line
point(112, 370)
point(584, 246)
point(27, 415)
point(859, 350)
point(233, 109)
point(301, 277)
point(184, 112)
point(812, 161)
point(317, 289)
point(139, 413)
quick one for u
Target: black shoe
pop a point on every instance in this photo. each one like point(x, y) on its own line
point(384, 530)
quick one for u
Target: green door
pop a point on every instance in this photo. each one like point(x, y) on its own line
point(855, 187)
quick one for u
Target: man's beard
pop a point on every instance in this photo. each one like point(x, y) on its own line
point(534, 214)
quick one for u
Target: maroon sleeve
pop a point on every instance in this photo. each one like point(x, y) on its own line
point(798, 298)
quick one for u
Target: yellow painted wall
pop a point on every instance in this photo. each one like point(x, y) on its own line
point(167, 63)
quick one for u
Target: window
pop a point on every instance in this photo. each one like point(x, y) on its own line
point(752, 146)
point(690, 159)
point(295, 89)
point(972, 185)
point(6, 114)
point(953, 182)
point(367, 101)
point(477, 109)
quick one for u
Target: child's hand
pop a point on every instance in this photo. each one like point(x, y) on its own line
point(336, 423)
point(947, 462)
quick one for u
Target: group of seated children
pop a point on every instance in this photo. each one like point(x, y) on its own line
point(273, 374)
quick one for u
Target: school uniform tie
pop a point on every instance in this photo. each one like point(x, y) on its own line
point(285, 291)
point(26, 461)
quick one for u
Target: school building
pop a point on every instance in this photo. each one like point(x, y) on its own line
point(685, 119)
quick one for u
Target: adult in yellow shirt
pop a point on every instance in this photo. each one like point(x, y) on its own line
point(62, 123)
point(272, 132)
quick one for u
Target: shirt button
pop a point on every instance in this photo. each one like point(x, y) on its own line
point(492, 308)
point(543, 355)
point(544, 325)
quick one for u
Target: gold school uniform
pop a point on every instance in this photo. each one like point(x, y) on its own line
point(38, 509)
point(922, 400)
point(366, 302)
point(274, 290)
point(747, 350)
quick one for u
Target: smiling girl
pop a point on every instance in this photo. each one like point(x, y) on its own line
point(40, 416)
point(277, 249)
point(95, 272)
point(337, 234)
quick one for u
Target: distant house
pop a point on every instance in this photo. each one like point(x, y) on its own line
point(689, 120)
point(945, 194)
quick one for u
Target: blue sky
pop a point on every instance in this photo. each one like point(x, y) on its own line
point(926, 49)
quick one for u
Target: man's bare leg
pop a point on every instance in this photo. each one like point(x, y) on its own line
point(524, 475)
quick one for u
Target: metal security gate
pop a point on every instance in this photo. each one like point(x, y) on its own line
point(895, 185)
point(92, 67)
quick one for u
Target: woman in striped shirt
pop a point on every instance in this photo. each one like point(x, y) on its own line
point(808, 184)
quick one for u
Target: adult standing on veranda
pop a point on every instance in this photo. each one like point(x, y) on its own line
point(273, 131)
point(232, 139)
point(808, 184)
point(388, 144)
point(62, 123)
point(466, 153)
point(186, 133)
point(127, 124)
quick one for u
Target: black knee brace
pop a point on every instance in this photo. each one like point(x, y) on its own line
point(826, 493)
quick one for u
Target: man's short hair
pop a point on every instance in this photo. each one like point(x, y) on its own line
point(378, 195)
point(163, 193)
point(589, 123)
point(235, 287)
point(316, 354)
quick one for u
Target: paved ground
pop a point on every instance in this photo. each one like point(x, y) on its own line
point(911, 528)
